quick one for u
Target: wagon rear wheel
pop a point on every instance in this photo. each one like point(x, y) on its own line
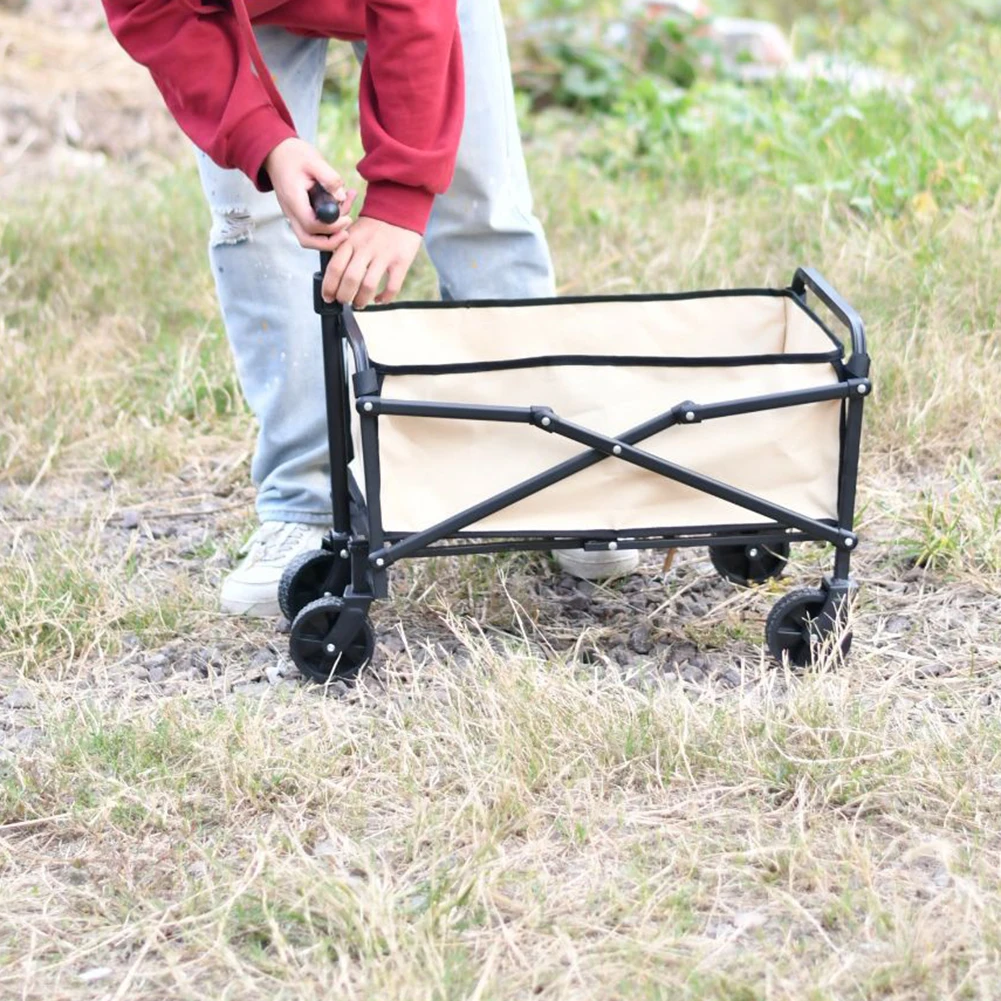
point(749, 564)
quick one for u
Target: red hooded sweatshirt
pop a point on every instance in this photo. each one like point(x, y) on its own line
point(204, 59)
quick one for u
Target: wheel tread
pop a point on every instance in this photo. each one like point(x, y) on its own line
point(349, 662)
point(806, 602)
point(288, 601)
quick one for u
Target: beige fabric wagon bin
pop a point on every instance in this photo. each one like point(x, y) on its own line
point(608, 365)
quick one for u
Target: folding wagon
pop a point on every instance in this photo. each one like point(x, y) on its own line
point(730, 420)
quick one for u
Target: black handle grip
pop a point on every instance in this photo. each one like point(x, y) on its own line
point(809, 278)
point(324, 205)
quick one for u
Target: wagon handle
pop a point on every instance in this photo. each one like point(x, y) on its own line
point(810, 278)
point(324, 204)
point(326, 210)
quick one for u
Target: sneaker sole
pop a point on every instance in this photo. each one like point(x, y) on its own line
point(251, 609)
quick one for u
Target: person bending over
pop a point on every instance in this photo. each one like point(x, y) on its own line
point(442, 162)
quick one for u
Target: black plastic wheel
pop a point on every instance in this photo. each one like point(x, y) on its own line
point(309, 648)
point(753, 563)
point(317, 573)
point(797, 630)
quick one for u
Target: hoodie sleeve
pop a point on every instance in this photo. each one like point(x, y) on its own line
point(214, 83)
point(204, 58)
point(412, 107)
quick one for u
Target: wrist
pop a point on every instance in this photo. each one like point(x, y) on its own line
point(399, 205)
point(274, 158)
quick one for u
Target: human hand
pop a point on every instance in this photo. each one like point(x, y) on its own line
point(371, 251)
point(294, 166)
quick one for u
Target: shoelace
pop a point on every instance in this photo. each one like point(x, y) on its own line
point(270, 543)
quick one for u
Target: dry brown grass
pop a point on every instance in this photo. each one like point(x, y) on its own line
point(515, 802)
point(501, 808)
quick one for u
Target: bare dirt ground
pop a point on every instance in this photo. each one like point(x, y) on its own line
point(679, 624)
point(71, 102)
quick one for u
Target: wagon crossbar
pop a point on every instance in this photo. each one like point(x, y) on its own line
point(599, 448)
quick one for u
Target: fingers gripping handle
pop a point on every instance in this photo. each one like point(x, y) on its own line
point(324, 205)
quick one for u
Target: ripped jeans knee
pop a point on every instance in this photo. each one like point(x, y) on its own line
point(231, 224)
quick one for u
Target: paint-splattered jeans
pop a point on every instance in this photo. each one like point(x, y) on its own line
point(483, 240)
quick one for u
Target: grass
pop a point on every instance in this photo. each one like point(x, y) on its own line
point(517, 804)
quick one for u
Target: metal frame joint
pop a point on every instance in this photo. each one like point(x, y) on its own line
point(544, 418)
point(688, 413)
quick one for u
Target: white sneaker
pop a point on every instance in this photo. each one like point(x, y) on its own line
point(252, 588)
point(598, 564)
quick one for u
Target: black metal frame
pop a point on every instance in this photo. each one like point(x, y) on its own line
point(372, 551)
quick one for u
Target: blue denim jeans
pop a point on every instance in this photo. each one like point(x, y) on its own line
point(483, 240)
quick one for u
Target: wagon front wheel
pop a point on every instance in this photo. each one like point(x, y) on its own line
point(749, 564)
point(316, 649)
point(805, 623)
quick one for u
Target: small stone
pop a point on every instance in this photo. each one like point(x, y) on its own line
point(745, 921)
point(640, 641)
point(107, 483)
point(156, 660)
point(443, 650)
point(728, 677)
point(684, 652)
point(130, 641)
point(579, 603)
point(586, 588)
point(897, 624)
point(19, 698)
point(130, 519)
point(29, 736)
point(692, 674)
point(391, 643)
point(210, 658)
point(283, 625)
point(621, 655)
point(163, 531)
point(262, 659)
point(156, 674)
point(251, 688)
point(274, 674)
point(933, 671)
point(96, 973)
point(198, 665)
point(941, 877)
